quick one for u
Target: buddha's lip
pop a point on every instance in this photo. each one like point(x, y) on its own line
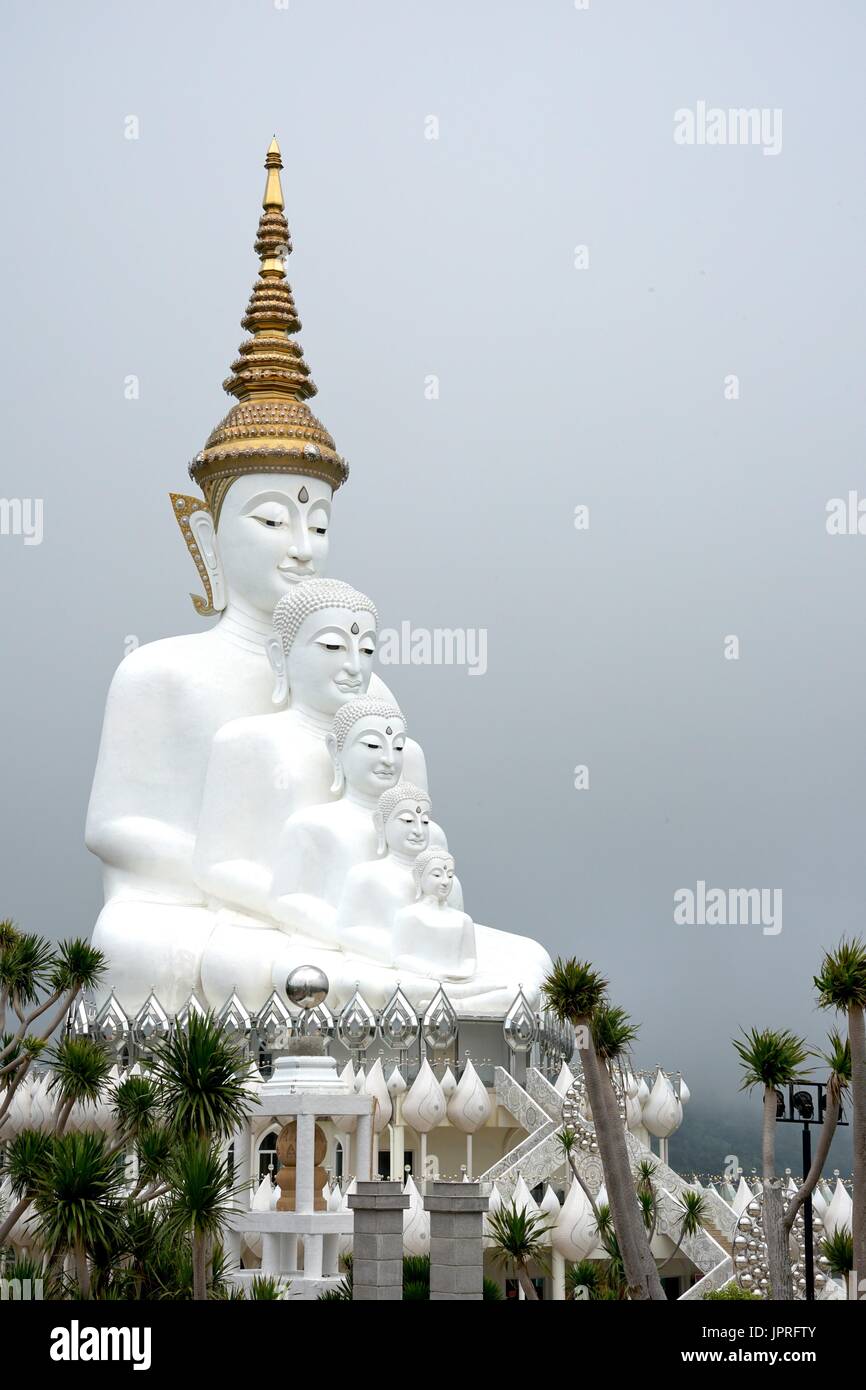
point(348, 685)
point(295, 572)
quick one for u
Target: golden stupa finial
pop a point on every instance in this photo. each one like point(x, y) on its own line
point(273, 188)
point(271, 429)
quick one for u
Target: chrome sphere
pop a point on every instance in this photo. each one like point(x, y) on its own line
point(307, 986)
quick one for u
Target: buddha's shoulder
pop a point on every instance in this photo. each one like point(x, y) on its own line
point(170, 660)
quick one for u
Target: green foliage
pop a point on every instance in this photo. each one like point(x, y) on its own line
point(201, 1079)
point(770, 1057)
point(574, 990)
point(730, 1293)
point(80, 1069)
point(25, 1158)
point(838, 1249)
point(517, 1236)
point(266, 1289)
point(841, 981)
point(201, 1188)
point(612, 1032)
point(76, 1193)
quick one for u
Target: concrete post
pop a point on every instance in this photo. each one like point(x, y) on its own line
point(456, 1228)
point(377, 1246)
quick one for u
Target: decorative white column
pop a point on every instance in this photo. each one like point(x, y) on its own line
point(305, 1162)
point(363, 1147)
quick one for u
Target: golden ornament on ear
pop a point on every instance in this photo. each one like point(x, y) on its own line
point(183, 508)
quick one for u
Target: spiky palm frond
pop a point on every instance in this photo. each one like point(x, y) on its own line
point(77, 1193)
point(517, 1236)
point(770, 1057)
point(574, 990)
point(841, 981)
point(838, 1249)
point(201, 1076)
point(612, 1032)
point(26, 961)
point(201, 1188)
point(80, 1069)
point(26, 1159)
point(77, 966)
point(135, 1105)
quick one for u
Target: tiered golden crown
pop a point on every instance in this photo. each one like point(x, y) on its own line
point(271, 429)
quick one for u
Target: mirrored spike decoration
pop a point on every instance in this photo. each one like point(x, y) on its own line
point(316, 1023)
point(399, 1023)
point(81, 1018)
point(356, 1024)
point(520, 1027)
point(111, 1025)
point(273, 1024)
point(439, 1024)
point(192, 1006)
point(234, 1019)
point(151, 1024)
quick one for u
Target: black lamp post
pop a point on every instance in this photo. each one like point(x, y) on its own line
point(806, 1104)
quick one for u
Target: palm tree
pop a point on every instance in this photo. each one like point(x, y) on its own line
point(25, 1158)
point(770, 1059)
point(838, 1060)
point(841, 985)
point(201, 1078)
point(694, 1212)
point(838, 1250)
point(200, 1200)
point(576, 994)
point(29, 965)
point(80, 1067)
point(76, 1199)
point(516, 1240)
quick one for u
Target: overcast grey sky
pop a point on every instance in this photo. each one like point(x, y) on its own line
point(558, 386)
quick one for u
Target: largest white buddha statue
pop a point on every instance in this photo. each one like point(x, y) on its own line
point(268, 475)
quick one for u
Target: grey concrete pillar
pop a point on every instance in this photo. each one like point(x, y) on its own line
point(377, 1245)
point(456, 1228)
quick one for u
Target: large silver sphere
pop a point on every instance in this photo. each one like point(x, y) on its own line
point(307, 986)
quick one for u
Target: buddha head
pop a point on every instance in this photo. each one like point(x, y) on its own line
point(433, 872)
point(402, 821)
point(322, 647)
point(366, 746)
point(269, 468)
point(271, 532)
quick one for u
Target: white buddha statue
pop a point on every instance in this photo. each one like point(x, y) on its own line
point(188, 873)
point(429, 937)
point(268, 474)
point(318, 846)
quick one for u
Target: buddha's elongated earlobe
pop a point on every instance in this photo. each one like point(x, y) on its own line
point(379, 827)
point(339, 777)
point(277, 658)
point(198, 530)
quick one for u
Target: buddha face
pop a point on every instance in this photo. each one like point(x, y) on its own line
point(407, 829)
point(437, 880)
point(372, 755)
point(273, 532)
point(331, 659)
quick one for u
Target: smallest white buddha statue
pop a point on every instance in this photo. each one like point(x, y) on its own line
point(429, 936)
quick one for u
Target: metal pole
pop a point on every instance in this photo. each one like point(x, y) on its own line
point(807, 1217)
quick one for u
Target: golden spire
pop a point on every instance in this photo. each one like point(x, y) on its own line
point(270, 430)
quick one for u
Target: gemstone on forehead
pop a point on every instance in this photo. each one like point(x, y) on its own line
point(355, 629)
point(303, 495)
point(388, 729)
